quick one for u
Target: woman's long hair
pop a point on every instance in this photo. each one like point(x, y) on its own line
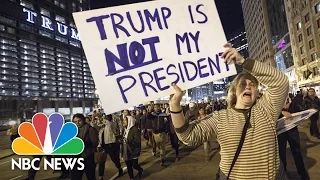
point(232, 97)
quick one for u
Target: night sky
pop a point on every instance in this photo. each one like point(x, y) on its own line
point(230, 11)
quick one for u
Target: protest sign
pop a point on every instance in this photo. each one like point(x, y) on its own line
point(135, 52)
point(285, 124)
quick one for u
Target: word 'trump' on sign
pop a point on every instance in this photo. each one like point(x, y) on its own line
point(135, 52)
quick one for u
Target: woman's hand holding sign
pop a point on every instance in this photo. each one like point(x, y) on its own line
point(232, 55)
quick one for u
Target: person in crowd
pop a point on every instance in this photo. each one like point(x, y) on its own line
point(292, 136)
point(149, 126)
point(131, 146)
point(166, 107)
point(90, 138)
point(159, 130)
point(311, 101)
point(108, 142)
point(173, 138)
point(138, 116)
point(206, 145)
point(192, 113)
point(88, 120)
point(246, 120)
point(13, 131)
point(144, 131)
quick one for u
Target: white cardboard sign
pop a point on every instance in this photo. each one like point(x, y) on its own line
point(285, 124)
point(135, 52)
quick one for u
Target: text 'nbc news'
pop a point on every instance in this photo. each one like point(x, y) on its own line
point(52, 163)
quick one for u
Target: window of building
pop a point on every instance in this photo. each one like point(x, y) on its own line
point(74, 7)
point(26, 4)
point(2, 27)
point(75, 43)
point(309, 31)
point(313, 57)
point(45, 12)
point(318, 23)
point(60, 19)
point(46, 34)
point(307, 18)
point(63, 5)
point(8, 21)
point(11, 30)
point(56, 2)
point(300, 38)
point(61, 39)
point(311, 44)
point(303, 61)
point(317, 8)
point(298, 25)
point(301, 50)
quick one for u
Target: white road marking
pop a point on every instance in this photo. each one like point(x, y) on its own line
point(16, 177)
point(5, 162)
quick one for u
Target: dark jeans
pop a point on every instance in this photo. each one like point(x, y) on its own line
point(133, 164)
point(113, 150)
point(174, 142)
point(89, 169)
point(314, 130)
point(292, 136)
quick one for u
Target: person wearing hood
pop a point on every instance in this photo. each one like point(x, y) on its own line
point(131, 146)
point(89, 136)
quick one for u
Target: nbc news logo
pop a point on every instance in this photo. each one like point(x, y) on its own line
point(48, 136)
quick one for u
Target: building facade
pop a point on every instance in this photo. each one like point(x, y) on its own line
point(258, 31)
point(281, 40)
point(238, 39)
point(304, 29)
point(42, 65)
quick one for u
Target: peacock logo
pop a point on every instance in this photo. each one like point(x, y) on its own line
point(48, 136)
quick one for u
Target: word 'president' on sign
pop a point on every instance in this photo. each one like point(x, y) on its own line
point(135, 52)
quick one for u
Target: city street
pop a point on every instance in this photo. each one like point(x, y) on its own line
point(191, 165)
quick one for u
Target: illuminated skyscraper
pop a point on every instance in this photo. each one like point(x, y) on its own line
point(42, 62)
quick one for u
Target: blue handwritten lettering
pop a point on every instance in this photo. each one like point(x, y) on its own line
point(185, 63)
point(185, 38)
point(100, 25)
point(158, 79)
point(215, 64)
point(154, 17)
point(166, 13)
point(116, 25)
point(136, 55)
point(148, 84)
point(132, 24)
point(154, 82)
point(202, 67)
point(202, 13)
point(122, 91)
point(191, 15)
point(173, 73)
